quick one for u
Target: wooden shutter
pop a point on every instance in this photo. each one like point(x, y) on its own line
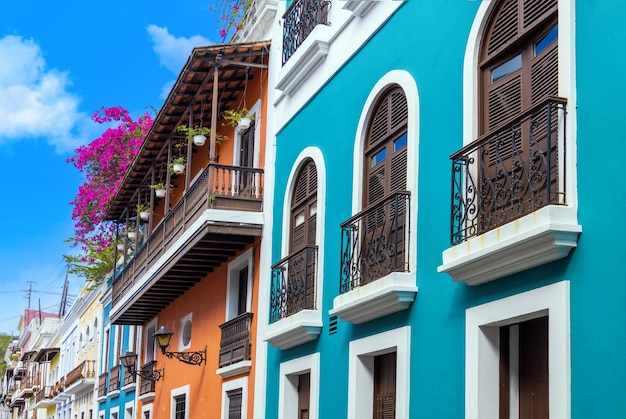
point(384, 162)
point(234, 403)
point(303, 231)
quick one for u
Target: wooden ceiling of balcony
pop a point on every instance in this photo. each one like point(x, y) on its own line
point(192, 94)
point(204, 252)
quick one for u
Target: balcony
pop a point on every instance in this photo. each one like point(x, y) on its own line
point(26, 386)
point(102, 385)
point(129, 380)
point(58, 392)
point(509, 207)
point(147, 387)
point(235, 346)
point(81, 378)
point(300, 18)
point(294, 318)
point(207, 223)
point(114, 381)
point(43, 398)
point(375, 278)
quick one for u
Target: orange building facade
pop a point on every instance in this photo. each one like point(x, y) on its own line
point(192, 265)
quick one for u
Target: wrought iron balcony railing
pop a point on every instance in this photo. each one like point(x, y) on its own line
point(147, 386)
point(509, 172)
point(375, 242)
point(219, 186)
point(293, 284)
point(235, 344)
point(102, 384)
point(114, 379)
point(85, 370)
point(300, 19)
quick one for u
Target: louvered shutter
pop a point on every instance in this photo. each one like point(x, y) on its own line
point(385, 386)
point(304, 201)
point(304, 395)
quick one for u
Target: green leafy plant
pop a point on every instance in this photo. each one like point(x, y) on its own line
point(143, 208)
point(190, 132)
point(159, 185)
point(232, 116)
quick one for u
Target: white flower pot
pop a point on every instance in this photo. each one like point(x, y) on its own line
point(144, 215)
point(244, 123)
point(178, 168)
point(160, 193)
point(120, 247)
point(199, 140)
point(132, 235)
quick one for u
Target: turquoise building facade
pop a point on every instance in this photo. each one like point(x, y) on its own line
point(486, 285)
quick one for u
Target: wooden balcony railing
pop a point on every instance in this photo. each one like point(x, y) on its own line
point(114, 379)
point(147, 386)
point(129, 378)
point(300, 18)
point(218, 186)
point(86, 370)
point(102, 384)
point(375, 242)
point(43, 394)
point(235, 344)
point(510, 172)
point(293, 284)
point(58, 387)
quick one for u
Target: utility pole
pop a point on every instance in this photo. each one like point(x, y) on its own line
point(64, 294)
point(29, 292)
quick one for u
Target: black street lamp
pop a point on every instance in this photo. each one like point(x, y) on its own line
point(129, 360)
point(163, 336)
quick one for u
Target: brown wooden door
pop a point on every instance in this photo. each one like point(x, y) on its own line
point(304, 395)
point(246, 159)
point(385, 386)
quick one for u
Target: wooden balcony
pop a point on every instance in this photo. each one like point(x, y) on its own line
point(80, 377)
point(235, 343)
point(129, 379)
point(191, 241)
point(102, 384)
point(147, 386)
point(114, 379)
point(43, 398)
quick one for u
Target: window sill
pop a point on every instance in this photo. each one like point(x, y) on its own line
point(101, 399)
point(113, 394)
point(544, 236)
point(295, 330)
point(241, 367)
point(387, 295)
point(146, 398)
point(128, 387)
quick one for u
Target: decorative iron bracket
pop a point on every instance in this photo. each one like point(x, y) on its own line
point(154, 375)
point(191, 357)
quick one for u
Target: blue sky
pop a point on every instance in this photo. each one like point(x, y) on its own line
point(59, 62)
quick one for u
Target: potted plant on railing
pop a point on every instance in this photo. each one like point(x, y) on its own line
point(240, 119)
point(177, 166)
point(144, 211)
point(159, 189)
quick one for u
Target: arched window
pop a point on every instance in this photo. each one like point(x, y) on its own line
point(385, 161)
point(304, 208)
point(518, 59)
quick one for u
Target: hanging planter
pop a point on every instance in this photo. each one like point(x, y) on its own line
point(132, 235)
point(199, 140)
point(121, 247)
point(143, 210)
point(244, 123)
point(159, 189)
point(177, 166)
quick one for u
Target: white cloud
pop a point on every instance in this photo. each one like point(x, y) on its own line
point(172, 51)
point(35, 101)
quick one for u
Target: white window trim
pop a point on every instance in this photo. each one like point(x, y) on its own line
point(482, 343)
point(398, 290)
point(154, 322)
point(100, 414)
point(234, 267)
point(115, 411)
point(129, 406)
point(146, 408)
point(361, 365)
point(183, 320)
point(549, 233)
point(306, 325)
point(288, 388)
point(232, 385)
point(179, 391)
